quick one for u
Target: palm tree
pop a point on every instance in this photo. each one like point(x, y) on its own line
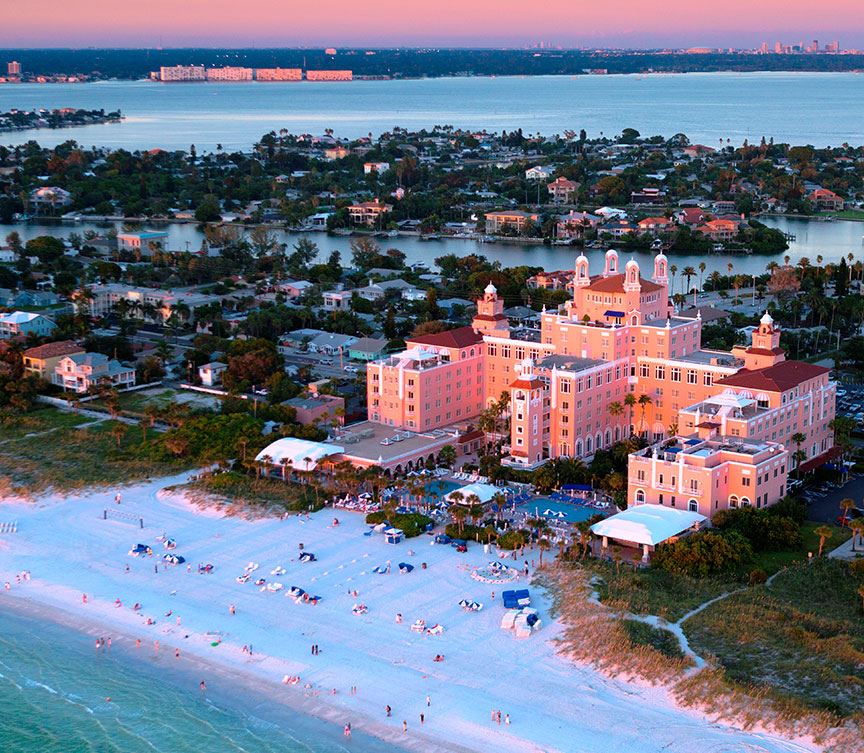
point(798, 438)
point(644, 402)
point(861, 594)
point(118, 431)
point(285, 462)
point(672, 272)
point(459, 514)
point(630, 401)
point(544, 545)
point(846, 505)
point(702, 268)
point(857, 527)
point(689, 273)
point(824, 533)
point(615, 409)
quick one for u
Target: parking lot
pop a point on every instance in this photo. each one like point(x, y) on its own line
point(850, 402)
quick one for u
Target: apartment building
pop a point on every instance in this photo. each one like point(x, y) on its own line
point(278, 74)
point(344, 75)
point(147, 303)
point(368, 213)
point(229, 73)
point(182, 73)
point(512, 220)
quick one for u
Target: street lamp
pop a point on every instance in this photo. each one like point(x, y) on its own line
point(754, 290)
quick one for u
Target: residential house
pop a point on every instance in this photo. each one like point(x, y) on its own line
point(719, 230)
point(618, 228)
point(78, 373)
point(367, 349)
point(43, 359)
point(824, 200)
point(656, 225)
point(49, 198)
point(574, 224)
point(539, 172)
point(558, 280)
point(338, 300)
point(375, 167)
point(294, 288)
point(690, 216)
point(23, 323)
point(142, 243)
point(368, 213)
point(648, 196)
point(562, 190)
point(210, 374)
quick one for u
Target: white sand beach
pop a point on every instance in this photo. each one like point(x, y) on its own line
point(554, 705)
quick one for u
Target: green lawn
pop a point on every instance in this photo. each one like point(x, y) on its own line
point(77, 458)
point(41, 420)
point(799, 639)
point(848, 214)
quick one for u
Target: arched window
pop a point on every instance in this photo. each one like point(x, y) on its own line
point(693, 505)
point(617, 433)
point(578, 448)
point(608, 437)
point(640, 496)
point(745, 502)
point(733, 501)
point(634, 320)
point(588, 445)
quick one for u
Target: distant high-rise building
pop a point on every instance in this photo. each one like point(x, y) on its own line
point(330, 51)
point(815, 46)
point(328, 75)
point(13, 68)
point(182, 73)
point(832, 46)
point(279, 74)
point(229, 73)
point(778, 47)
point(764, 48)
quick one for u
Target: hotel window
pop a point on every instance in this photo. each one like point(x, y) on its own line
point(691, 376)
point(492, 349)
point(707, 379)
point(675, 374)
point(565, 386)
point(745, 481)
point(520, 354)
point(660, 372)
point(505, 351)
point(643, 370)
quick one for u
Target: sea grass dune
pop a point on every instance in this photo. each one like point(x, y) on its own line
point(247, 640)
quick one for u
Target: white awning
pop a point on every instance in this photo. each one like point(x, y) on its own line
point(484, 492)
point(302, 454)
point(647, 524)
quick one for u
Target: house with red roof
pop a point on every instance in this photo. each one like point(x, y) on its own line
point(824, 200)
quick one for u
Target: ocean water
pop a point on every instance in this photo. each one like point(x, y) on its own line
point(54, 686)
point(816, 108)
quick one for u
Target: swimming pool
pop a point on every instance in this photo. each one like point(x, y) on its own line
point(572, 513)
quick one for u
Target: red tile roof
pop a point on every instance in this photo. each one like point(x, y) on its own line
point(461, 337)
point(777, 378)
point(615, 284)
point(52, 350)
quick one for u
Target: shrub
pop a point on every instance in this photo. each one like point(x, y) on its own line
point(642, 634)
point(475, 533)
point(703, 553)
point(856, 568)
point(765, 531)
point(789, 507)
point(757, 577)
point(411, 523)
point(511, 540)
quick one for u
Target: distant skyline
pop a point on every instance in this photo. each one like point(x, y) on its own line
point(446, 23)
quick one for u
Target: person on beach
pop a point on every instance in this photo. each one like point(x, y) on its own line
point(127, 568)
point(231, 610)
point(202, 686)
point(404, 725)
point(507, 719)
point(155, 568)
point(388, 710)
point(428, 701)
point(83, 598)
point(422, 718)
point(176, 653)
point(347, 730)
point(109, 643)
point(117, 498)
point(137, 643)
point(498, 716)
point(156, 647)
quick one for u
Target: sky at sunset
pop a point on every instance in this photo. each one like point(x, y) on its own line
point(290, 23)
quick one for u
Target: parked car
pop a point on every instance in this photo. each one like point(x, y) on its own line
point(852, 514)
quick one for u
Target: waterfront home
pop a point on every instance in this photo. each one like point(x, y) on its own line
point(558, 280)
point(656, 225)
point(143, 243)
point(539, 172)
point(23, 323)
point(574, 224)
point(43, 359)
point(719, 230)
point(49, 198)
point(511, 220)
point(824, 200)
point(690, 216)
point(648, 196)
point(368, 213)
point(80, 372)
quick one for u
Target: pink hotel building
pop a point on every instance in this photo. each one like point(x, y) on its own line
point(731, 416)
